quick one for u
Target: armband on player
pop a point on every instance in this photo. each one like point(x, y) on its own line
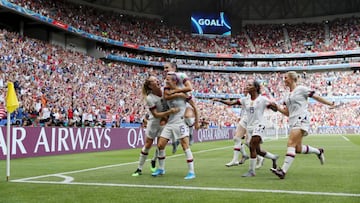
point(188, 99)
point(311, 93)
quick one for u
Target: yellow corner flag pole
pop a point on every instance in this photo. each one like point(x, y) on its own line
point(12, 104)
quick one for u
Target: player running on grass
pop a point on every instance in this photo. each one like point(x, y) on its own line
point(296, 108)
point(240, 133)
point(255, 106)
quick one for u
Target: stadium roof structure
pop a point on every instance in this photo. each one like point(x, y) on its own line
point(241, 12)
point(241, 9)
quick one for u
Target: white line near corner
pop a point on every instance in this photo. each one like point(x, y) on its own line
point(68, 181)
point(345, 138)
point(103, 167)
point(198, 188)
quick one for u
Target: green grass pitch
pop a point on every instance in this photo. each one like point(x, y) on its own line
point(106, 176)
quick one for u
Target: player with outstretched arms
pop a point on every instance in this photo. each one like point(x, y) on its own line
point(255, 105)
point(296, 108)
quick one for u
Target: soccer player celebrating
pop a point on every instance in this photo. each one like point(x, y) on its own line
point(153, 96)
point(255, 106)
point(296, 108)
point(184, 86)
point(175, 127)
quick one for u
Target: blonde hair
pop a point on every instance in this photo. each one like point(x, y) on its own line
point(293, 75)
point(145, 90)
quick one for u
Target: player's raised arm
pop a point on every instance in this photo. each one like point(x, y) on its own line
point(322, 100)
point(228, 102)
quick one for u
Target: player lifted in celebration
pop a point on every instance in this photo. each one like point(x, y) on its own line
point(176, 127)
point(296, 108)
point(153, 96)
point(255, 106)
point(184, 86)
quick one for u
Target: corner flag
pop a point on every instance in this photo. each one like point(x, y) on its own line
point(12, 102)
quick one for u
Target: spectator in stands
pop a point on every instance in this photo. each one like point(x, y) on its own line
point(44, 118)
point(3, 114)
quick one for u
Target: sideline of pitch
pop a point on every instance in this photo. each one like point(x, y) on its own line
point(68, 180)
point(198, 188)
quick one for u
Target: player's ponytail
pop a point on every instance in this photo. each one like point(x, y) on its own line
point(145, 88)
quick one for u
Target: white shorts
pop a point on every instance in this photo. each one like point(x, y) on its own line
point(153, 130)
point(175, 131)
point(258, 130)
point(303, 123)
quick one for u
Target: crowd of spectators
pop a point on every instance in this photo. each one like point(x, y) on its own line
point(66, 88)
point(343, 34)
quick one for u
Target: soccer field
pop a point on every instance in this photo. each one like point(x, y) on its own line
point(106, 176)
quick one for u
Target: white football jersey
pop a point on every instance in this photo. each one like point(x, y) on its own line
point(159, 103)
point(297, 103)
point(254, 110)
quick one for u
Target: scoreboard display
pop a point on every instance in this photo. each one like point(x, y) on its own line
point(210, 24)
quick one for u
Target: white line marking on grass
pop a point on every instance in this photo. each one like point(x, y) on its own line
point(345, 138)
point(67, 179)
point(200, 188)
point(108, 166)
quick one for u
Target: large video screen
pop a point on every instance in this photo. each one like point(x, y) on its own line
point(210, 23)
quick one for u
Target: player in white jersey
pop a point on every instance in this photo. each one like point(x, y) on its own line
point(175, 127)
point(153, 96)
point(255, 106)
point(296, 108)
point(184, 86)
point(240, 133)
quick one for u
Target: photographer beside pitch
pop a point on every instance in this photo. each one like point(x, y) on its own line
point(296, 108)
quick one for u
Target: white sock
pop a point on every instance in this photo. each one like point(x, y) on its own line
point(242, 150)
point(161, 158)
point(237, 148)
point(252, 165)
point(306, 149)
point(289, 158)
point(143, 155)
point(189, 160)
point(259, 158)
point(270, 155)
point(156, 154)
